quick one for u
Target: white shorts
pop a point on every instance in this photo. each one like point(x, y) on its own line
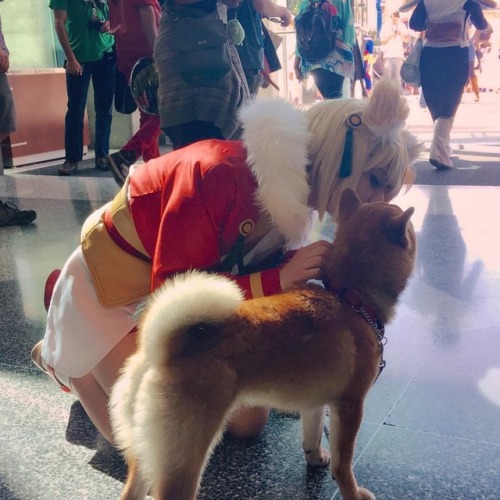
point(80, 331)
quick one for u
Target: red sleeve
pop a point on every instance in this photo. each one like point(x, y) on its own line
point(263, 283)
point(259, 284)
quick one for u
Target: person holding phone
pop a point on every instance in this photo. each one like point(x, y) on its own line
point(393, 37)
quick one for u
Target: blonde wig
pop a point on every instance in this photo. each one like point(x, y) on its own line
point(379, 140)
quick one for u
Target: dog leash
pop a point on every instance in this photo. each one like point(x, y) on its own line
point(368, 314)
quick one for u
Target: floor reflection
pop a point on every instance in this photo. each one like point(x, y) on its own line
point(432, 417)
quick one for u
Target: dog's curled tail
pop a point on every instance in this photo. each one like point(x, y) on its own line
point(184, 301)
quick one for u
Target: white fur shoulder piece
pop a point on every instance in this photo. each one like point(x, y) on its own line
point(276, 137)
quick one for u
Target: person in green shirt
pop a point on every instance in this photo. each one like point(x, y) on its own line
point(82, 28)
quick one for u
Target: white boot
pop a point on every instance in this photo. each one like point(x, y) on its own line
point(440, 147)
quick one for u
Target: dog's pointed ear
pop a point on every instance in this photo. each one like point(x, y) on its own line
point(349, 202)
point(398, 226)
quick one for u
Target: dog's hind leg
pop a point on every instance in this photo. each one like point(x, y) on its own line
point(194, 428)
point(312, 431)
point(136, 488)
point(345, 420)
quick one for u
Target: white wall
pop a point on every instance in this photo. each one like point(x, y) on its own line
point(29, 32)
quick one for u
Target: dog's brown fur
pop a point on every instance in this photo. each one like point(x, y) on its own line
point(299, 350)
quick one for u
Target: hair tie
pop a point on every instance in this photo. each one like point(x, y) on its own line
point(352, 122)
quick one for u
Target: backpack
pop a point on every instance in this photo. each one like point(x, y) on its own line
point(316, 29)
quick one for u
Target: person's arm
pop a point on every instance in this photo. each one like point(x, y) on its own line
point(4, 61)
point(386, 37)
point(476, 15)
point(401, 31)
point(418, 19)
point(475, 38)
point(4, 53)
point(296, 67)
point(73, 66)
point(267, 8)
point(148, 23)
point(307, 263)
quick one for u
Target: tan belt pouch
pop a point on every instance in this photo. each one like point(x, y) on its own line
point(119, 278)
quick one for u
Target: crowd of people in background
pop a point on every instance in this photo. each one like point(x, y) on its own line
point(102, 40)
point(237, 192)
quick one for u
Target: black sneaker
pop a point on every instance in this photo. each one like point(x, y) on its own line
point(101, 163)
point(10, 215)
point(68, 168)
point(119, 164)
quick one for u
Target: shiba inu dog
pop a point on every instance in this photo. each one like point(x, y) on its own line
point(204, 352)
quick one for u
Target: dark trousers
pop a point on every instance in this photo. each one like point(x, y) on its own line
point(254, 80)
point(328, 83)
point(102, 74)
point(444, 72)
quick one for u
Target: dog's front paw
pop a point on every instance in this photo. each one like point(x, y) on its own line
point(317, 458)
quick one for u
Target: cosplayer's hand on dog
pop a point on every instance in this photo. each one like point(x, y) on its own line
point(204, 352)
point(308, 263)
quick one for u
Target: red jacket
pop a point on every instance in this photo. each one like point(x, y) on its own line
point(190, 206)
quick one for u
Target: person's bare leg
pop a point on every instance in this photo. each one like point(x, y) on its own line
point(248, 422)
point(95, 402)
point(93, 389)
point(106, 371)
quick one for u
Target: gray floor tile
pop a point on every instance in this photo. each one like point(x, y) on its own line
point(431, 420)
point(412, 465)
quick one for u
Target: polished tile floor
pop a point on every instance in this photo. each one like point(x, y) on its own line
point(431, 428)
